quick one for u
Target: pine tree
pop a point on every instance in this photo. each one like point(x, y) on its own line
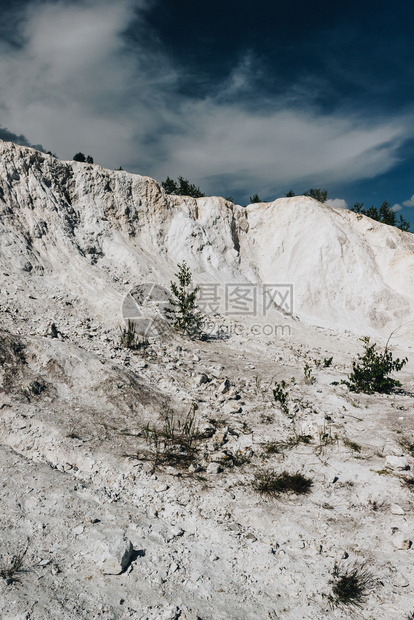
point(373, 213)
point(384, 214)
point(317, 193)
point(170, 186)
point(189, 189)
point(182, 187)
point(183, 312)
point(403, 224)
point(81, 157)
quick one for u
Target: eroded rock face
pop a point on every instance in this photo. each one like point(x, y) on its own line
point(74, 223)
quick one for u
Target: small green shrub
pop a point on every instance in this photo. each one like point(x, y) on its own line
point(270, 483)
point(131, 340)
point(297, 439)
point(352, 585)
point(280, 395)
point(307, 371)
point(266, 418)
point(370, 372)
point(176, 442)
point(273, 447)
point(241, 458)
point(327, 361)
point(37, 387)
point(10, 568)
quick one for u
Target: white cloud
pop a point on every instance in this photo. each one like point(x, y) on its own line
point(260, 151)
point(410, 202)
point(77, 83)
point(240, 80)
point(396, 208)
point(337, 203)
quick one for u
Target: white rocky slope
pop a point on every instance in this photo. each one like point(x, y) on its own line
point(113, 536)
point(80, 227)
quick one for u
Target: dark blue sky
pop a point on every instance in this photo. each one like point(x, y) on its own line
point(355, 51)
point(239, 97)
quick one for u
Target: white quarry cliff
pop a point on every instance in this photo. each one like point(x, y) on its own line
point(78, 224)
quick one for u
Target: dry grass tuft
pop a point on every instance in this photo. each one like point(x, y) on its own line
point(270, 483)
point(352, 585)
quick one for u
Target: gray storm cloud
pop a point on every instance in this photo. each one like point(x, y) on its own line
point(9, 136)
